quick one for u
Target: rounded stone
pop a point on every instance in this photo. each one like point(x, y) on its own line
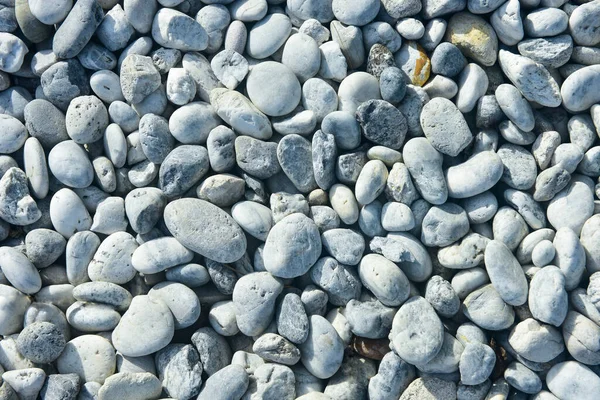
point(41, 342)
point(222, 239)
point(254, 298)
point(180, 299)
point(445, 127)
point(295, 234)
point(91, 347)
point(486, 308)
point(273, 88)
point(571, 380)
point(145, 328)
point(322, 352)
point(268, 35)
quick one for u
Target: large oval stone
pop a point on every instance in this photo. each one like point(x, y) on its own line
point(206, 229)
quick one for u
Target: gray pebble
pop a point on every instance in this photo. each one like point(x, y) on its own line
point(322, 358)
point(444, 225)
point(572, 380)
point(486, 308)
point(77, 28)
point(64, 81)
point(440, 294)
point(343, 126)
point(417, 332)
point(41, 342)
point(174, 29)
point(230, 382)
point(440, 111)
point(475, 176)
point(545, 22)
point(254, 298)
point(392, 85)
point(552, 52)
point(17, 207)
point(324, 154)
point(522, 378)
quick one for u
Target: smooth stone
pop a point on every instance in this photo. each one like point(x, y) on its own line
point(476, 363)
point(486, 308)
point(444, 225)
point(319, 97)
point(583, 25)
point(474, 36)
point(571, 380)
point(547, 296)
point(572, 206)
point(528, 208)
point(112, 260)
point(575, 90)
point(466, 281)
point(45, 122)
point(131, 338)
point(257, 157)
point(507, 23)
point(581, 337)
point(68, 213)
point(82, 347)
point(248, 10)
point(180, 299)
point(12, 313)
point(44, 247)
point(19, 271)
point(544, 22)
point(41, 342)
point(230, 382)
point(135, 386)
point(159, 254)
point(26, 382)
point(413, 61)
point(589, 233)
point(253, 310)
point(214, 351)
point(77, 29)
point(447, 60)
point(321, 353)
point(467, 253)
point(174, 29)
point(392, 85)
point(226, 242)
point(14, 136)
point(536, 342)
point(355, 89)
point(424, 163)
point(480, 208)
point(91, 317)
point(455, 135)
point(430, 388)
point(273, 88)
point(280, 253)
point(70, 164)
point(522, 378)
point(475, 176)
point(532, 79)
point(222, 190)
point(417, 332)
point(268, 35)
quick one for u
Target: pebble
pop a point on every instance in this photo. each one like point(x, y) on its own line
point(356, 89)
point(144, 310)
point(455, 135)
point(382, 123)
point(230, 382)
point(475, 176)
point(572, 380)
point(82, 347)
point(321, 353)
point(545, 22)
point(486, 308)
point(532, 79)
point(17, 207)
point(213, 349)
point(77, 29)
point(26, 382)
point(429, 388)
point(254, 298)
point(268, 35)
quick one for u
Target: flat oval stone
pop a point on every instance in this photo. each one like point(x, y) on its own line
point(45, 122)
point(130, 385)
point(576, 89)
point(19, 271)
point(474, 37)
point(424, 163)
point(322, 352)
point(273, 88)
point(146, 327)
point(92, 317)
point(445, 126)
point(475, 176)
point(572, 206)
point(340, 282)
point(268, 35)
point(417, 332)
point(505, 273)
point(547, 296)
point(570, 256)
point(486, 308)
point(77, 29)
point(384, 279)
point(583, 25)
point(159, 254)
point(230, 382)
point(206, 229)
point(112, 261)
point(104, 293)
point(294, 235)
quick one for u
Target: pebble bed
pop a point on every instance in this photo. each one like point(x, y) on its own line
point(301, 199)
